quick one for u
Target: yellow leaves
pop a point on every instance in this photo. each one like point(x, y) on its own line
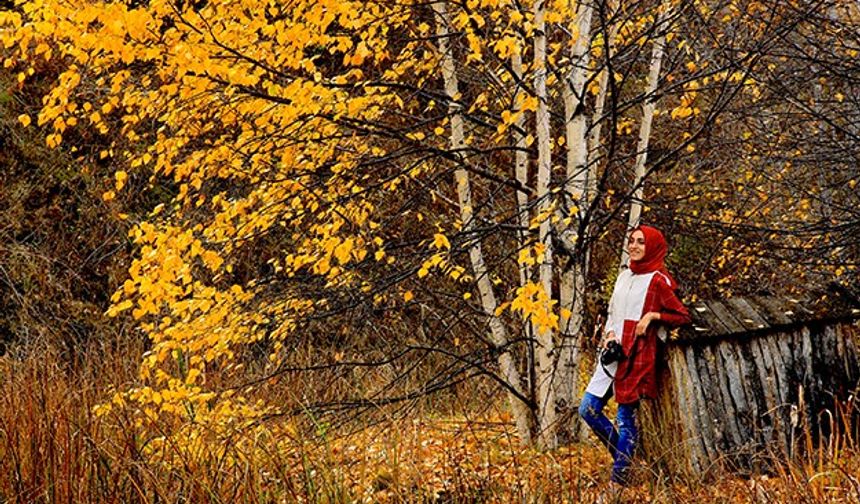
point(408, 296)
point(359, 54)
point(121, 177)
point(528, 103)
point(506, 46)
point(532, 255)
point(54, 140)
point(343, 251)
point(682, 112)
point(594, 85)
point(212, 260)
point(192, 376)
point(115, 309)
point(24, 119)
point(535, 305)
point(440, 241)
point(436, 260)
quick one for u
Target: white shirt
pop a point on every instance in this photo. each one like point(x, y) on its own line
point(626, 303)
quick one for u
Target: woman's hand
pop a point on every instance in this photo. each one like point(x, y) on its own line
point(610, 336)
point(642, 325)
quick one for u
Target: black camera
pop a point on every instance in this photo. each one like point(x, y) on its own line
point(612, 353)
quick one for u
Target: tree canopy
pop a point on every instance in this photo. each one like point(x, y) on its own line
point(341, 170)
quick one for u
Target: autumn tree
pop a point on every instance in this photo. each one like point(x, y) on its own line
point(373, 165)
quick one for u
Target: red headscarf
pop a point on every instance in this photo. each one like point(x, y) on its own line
point(655, 253)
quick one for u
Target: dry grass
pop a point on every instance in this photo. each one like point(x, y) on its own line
point(53, 449)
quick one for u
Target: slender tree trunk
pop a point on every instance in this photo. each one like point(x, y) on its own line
point(572, 288)
point(522, 174)
point(546, 346)
point(597, 116)
point(498, 333)
point(648, 106)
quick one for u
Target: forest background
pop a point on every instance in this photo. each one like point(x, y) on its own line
point(335, 251)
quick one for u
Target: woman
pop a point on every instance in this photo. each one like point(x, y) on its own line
point(643, 303)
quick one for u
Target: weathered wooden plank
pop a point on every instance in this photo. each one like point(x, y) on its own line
point(713, 368)
point(776, 388)
point(804, 363)
point(744, 312)
point(850, 335)
point(834, 379)
point(771, 347)
point(663, 429)
point(688, 410)
point(710, 430)
point(806, 357)
point(733, 378)
point(711, 320)
point(783, 343)
point(700, 326)
point(841, 354)
point(752, 388)
point(765, 383)
point(771, 310)
point(803, 309)
point(725, 316)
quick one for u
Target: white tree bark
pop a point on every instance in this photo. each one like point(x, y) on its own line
point(521, 163)
point(648, 106)
point(498, 333)
point(597, 116)
point(545, 345)
point(572, 287)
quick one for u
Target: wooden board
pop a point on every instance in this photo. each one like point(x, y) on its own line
point(742, 415)
point(770, 348)
point(689, 410)
point(712, 371)
point(771, 310)
point(745, 312)
point(713, 434)
point(767, 383)
point(724, 314)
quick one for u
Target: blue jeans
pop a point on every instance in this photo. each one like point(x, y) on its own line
point(621, 442)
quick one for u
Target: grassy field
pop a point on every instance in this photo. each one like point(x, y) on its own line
point(54, 449)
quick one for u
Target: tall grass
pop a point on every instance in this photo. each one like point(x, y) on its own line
point(53, 449)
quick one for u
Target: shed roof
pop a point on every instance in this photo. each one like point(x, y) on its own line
point(735, 316)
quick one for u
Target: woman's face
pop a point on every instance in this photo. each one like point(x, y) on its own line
point(636, 245)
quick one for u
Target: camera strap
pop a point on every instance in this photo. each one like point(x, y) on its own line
point(630, 358)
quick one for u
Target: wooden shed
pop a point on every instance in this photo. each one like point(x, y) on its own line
point(751, 379)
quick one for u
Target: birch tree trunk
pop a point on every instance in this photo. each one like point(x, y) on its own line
point(498, 333)
point(545, 345)
point(597, 116)
point(572, 288)
point(522, 174)
point(648, 106)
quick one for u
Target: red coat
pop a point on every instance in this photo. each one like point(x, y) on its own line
point(636, 376)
